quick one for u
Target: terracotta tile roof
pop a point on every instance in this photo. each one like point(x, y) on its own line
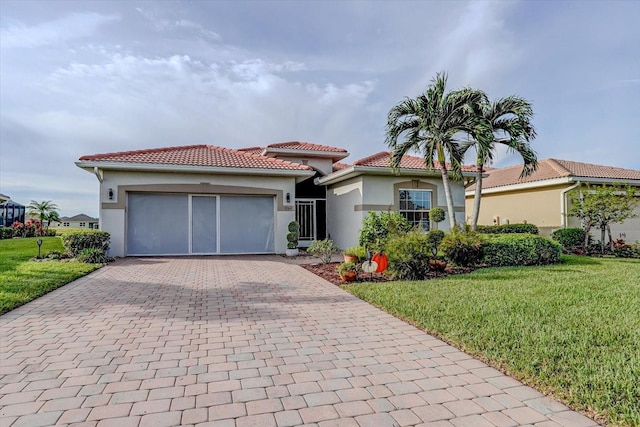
point(383, 160)
point(553, 169)
point(197, 155)
point(306, 146)
point(339, 166)
point(252, 150)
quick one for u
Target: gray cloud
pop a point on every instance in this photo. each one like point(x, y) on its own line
point(85, 77)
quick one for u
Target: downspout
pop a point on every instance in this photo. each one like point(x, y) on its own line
point(98, 173)
point(564, 217)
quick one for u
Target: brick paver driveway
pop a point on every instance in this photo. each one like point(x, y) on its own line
point(240, 342)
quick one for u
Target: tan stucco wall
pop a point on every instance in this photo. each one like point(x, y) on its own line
point(348, 202)
point(113, 212)
point(541, 207)
point(343, 221)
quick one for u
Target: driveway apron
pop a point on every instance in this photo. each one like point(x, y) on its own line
point(240, 341)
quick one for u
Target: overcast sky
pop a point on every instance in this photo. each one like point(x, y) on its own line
point(83, 77)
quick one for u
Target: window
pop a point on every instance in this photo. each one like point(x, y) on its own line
point(65, 224)
point(415, 206)
point(82, 224)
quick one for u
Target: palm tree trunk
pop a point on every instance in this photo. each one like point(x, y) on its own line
point(447, 195)
point(476, 198)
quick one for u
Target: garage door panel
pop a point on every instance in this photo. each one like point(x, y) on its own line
point(157, 224)
point(246, 224)
point(204, 230)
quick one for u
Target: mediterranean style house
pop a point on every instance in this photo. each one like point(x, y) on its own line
point(203, 199)
point(542, 198)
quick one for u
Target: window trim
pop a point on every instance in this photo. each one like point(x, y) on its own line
point(407, 211)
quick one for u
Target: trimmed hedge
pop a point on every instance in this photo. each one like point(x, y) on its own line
point(520, 249)
point(76, 242)
point(6, 233)
point(508, 229)
point(569, 238)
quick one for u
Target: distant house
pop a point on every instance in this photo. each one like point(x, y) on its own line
point(541, 198)
point(203, 199)
point(77, 221)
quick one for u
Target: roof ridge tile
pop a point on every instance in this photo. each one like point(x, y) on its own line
point(559, 167)
point(375, 156)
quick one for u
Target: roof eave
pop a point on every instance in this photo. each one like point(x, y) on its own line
point(353, 171)
point(334, 155)
point(150, 167)
point(553, 182)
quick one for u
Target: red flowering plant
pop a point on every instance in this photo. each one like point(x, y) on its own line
point(18, 229)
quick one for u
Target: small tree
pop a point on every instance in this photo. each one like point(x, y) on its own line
point(436, 215)
point(293, 235)
point(602, 205)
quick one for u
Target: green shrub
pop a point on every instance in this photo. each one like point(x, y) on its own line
point(627, 250)
point(378, 226)
point(508, 229)
point(347, 266)
point(435, 239)
point(293, 235)
point(74, 243)
point(357, 251)
point(520, 249)
point(571, 239)
point(55, 255)
point(6, 233)
point(93, 256)
point(463, 248)
point(409, 255)
point(323, 249)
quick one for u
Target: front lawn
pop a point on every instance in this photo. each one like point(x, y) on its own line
point(570, 330)
point(22, 280)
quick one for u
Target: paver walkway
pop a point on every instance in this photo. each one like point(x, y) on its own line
point(248, 341)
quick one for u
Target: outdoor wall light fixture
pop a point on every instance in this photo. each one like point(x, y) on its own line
point(111, 194)
point(288, 197)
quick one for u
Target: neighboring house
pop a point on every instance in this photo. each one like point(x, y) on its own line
point(77, 221)
point(10, 211)
point(203, 199)
point(542, 199)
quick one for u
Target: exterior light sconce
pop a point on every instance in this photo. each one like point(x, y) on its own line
point(111, 194)
point(288, 197)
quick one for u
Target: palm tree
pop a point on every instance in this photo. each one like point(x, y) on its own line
point(430, 124)
point(45, 211)
point(505, 121)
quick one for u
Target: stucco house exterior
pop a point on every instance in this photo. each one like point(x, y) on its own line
point(203, 199)
point(542, 199)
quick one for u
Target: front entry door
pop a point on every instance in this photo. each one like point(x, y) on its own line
point(312, 216)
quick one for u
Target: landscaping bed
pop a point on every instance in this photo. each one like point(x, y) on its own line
point(329, 273)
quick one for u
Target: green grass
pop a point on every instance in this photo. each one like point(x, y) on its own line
point(22, 280)
point(571, 330)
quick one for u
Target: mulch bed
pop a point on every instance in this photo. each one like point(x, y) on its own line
point(329, 273)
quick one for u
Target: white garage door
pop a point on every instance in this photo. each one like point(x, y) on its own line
point(183, 224)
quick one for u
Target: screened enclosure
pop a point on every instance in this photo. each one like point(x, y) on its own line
point(11, 212)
